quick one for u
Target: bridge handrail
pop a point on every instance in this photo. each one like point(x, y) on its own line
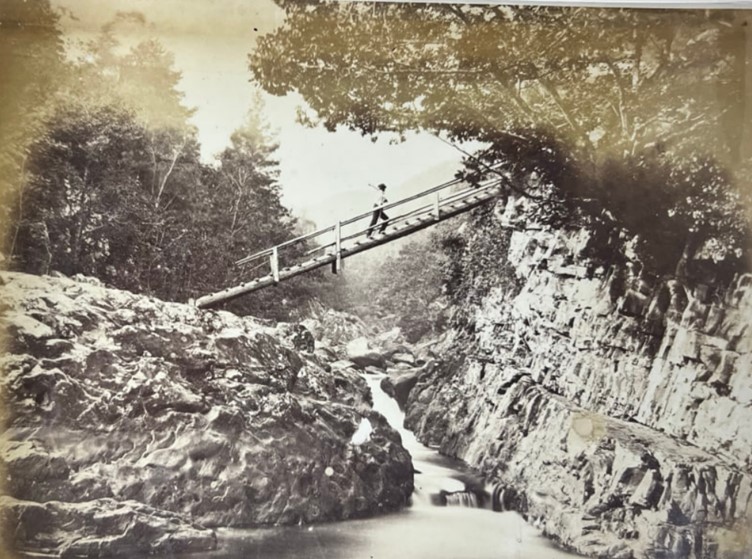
point(308, 236)
point(268, 251)
point(402, 201)
point(427, 209)
point(431, 190)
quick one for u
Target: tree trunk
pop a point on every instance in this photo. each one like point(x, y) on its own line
point(691, 245)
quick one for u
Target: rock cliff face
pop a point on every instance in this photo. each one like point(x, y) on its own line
point(134, 425)
point(612, 407)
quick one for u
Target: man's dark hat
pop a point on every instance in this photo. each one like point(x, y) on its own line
point(382, 186)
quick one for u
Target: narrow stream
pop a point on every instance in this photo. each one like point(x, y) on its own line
point(423, 530)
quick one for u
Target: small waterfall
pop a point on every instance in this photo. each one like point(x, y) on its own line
point(450, 507)
point(507, 498)
point(466, 499)
point(497, 501)
point(436, 485)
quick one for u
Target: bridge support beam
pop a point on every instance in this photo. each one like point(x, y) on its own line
point(274, 262)
point(337, 262)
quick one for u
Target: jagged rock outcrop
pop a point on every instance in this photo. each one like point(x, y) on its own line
point(334, 328)
point(611, 406)
point(134, 425)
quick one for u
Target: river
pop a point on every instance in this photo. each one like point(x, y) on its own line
point(421, 531)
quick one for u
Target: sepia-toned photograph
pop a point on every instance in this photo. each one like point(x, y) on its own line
point(349, 279)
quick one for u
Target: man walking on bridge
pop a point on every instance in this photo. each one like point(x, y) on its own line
point(378, 213)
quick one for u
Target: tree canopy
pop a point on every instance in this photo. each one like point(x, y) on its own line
point(640, 110)
point(608, 80)
point(31, 53)
point(110, 182)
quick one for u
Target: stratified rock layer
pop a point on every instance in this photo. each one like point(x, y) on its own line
point(134, 424)
point(612, 407)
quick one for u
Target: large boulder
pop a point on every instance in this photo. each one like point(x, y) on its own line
point(102, 527)
point(390, 338)
point(118, 402)
point(403, 357)
point(361, 352)
point(403, 384)
point(387, 386)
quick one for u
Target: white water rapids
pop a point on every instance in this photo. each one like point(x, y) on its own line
point(420, 531)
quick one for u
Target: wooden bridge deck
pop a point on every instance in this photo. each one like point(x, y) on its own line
point(345, 245)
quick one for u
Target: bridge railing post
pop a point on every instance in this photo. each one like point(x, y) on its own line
point(274, 262)
point(337, 264)
point(437, 206)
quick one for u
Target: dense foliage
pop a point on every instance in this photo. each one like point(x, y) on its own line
point(31, 50)
point(109, 180)
point(689, 215)
point(403, 288)
point(633, 118)
point(611, 81)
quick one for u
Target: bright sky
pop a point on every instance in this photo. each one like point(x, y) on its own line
point(324, 176)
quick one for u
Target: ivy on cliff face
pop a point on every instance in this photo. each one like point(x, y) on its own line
point(478, 264)
point(688, 216)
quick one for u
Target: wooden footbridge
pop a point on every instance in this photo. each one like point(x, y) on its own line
point(349, 237)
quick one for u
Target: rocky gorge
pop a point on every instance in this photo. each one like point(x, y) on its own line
point(608, 405)
point(135, 426)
